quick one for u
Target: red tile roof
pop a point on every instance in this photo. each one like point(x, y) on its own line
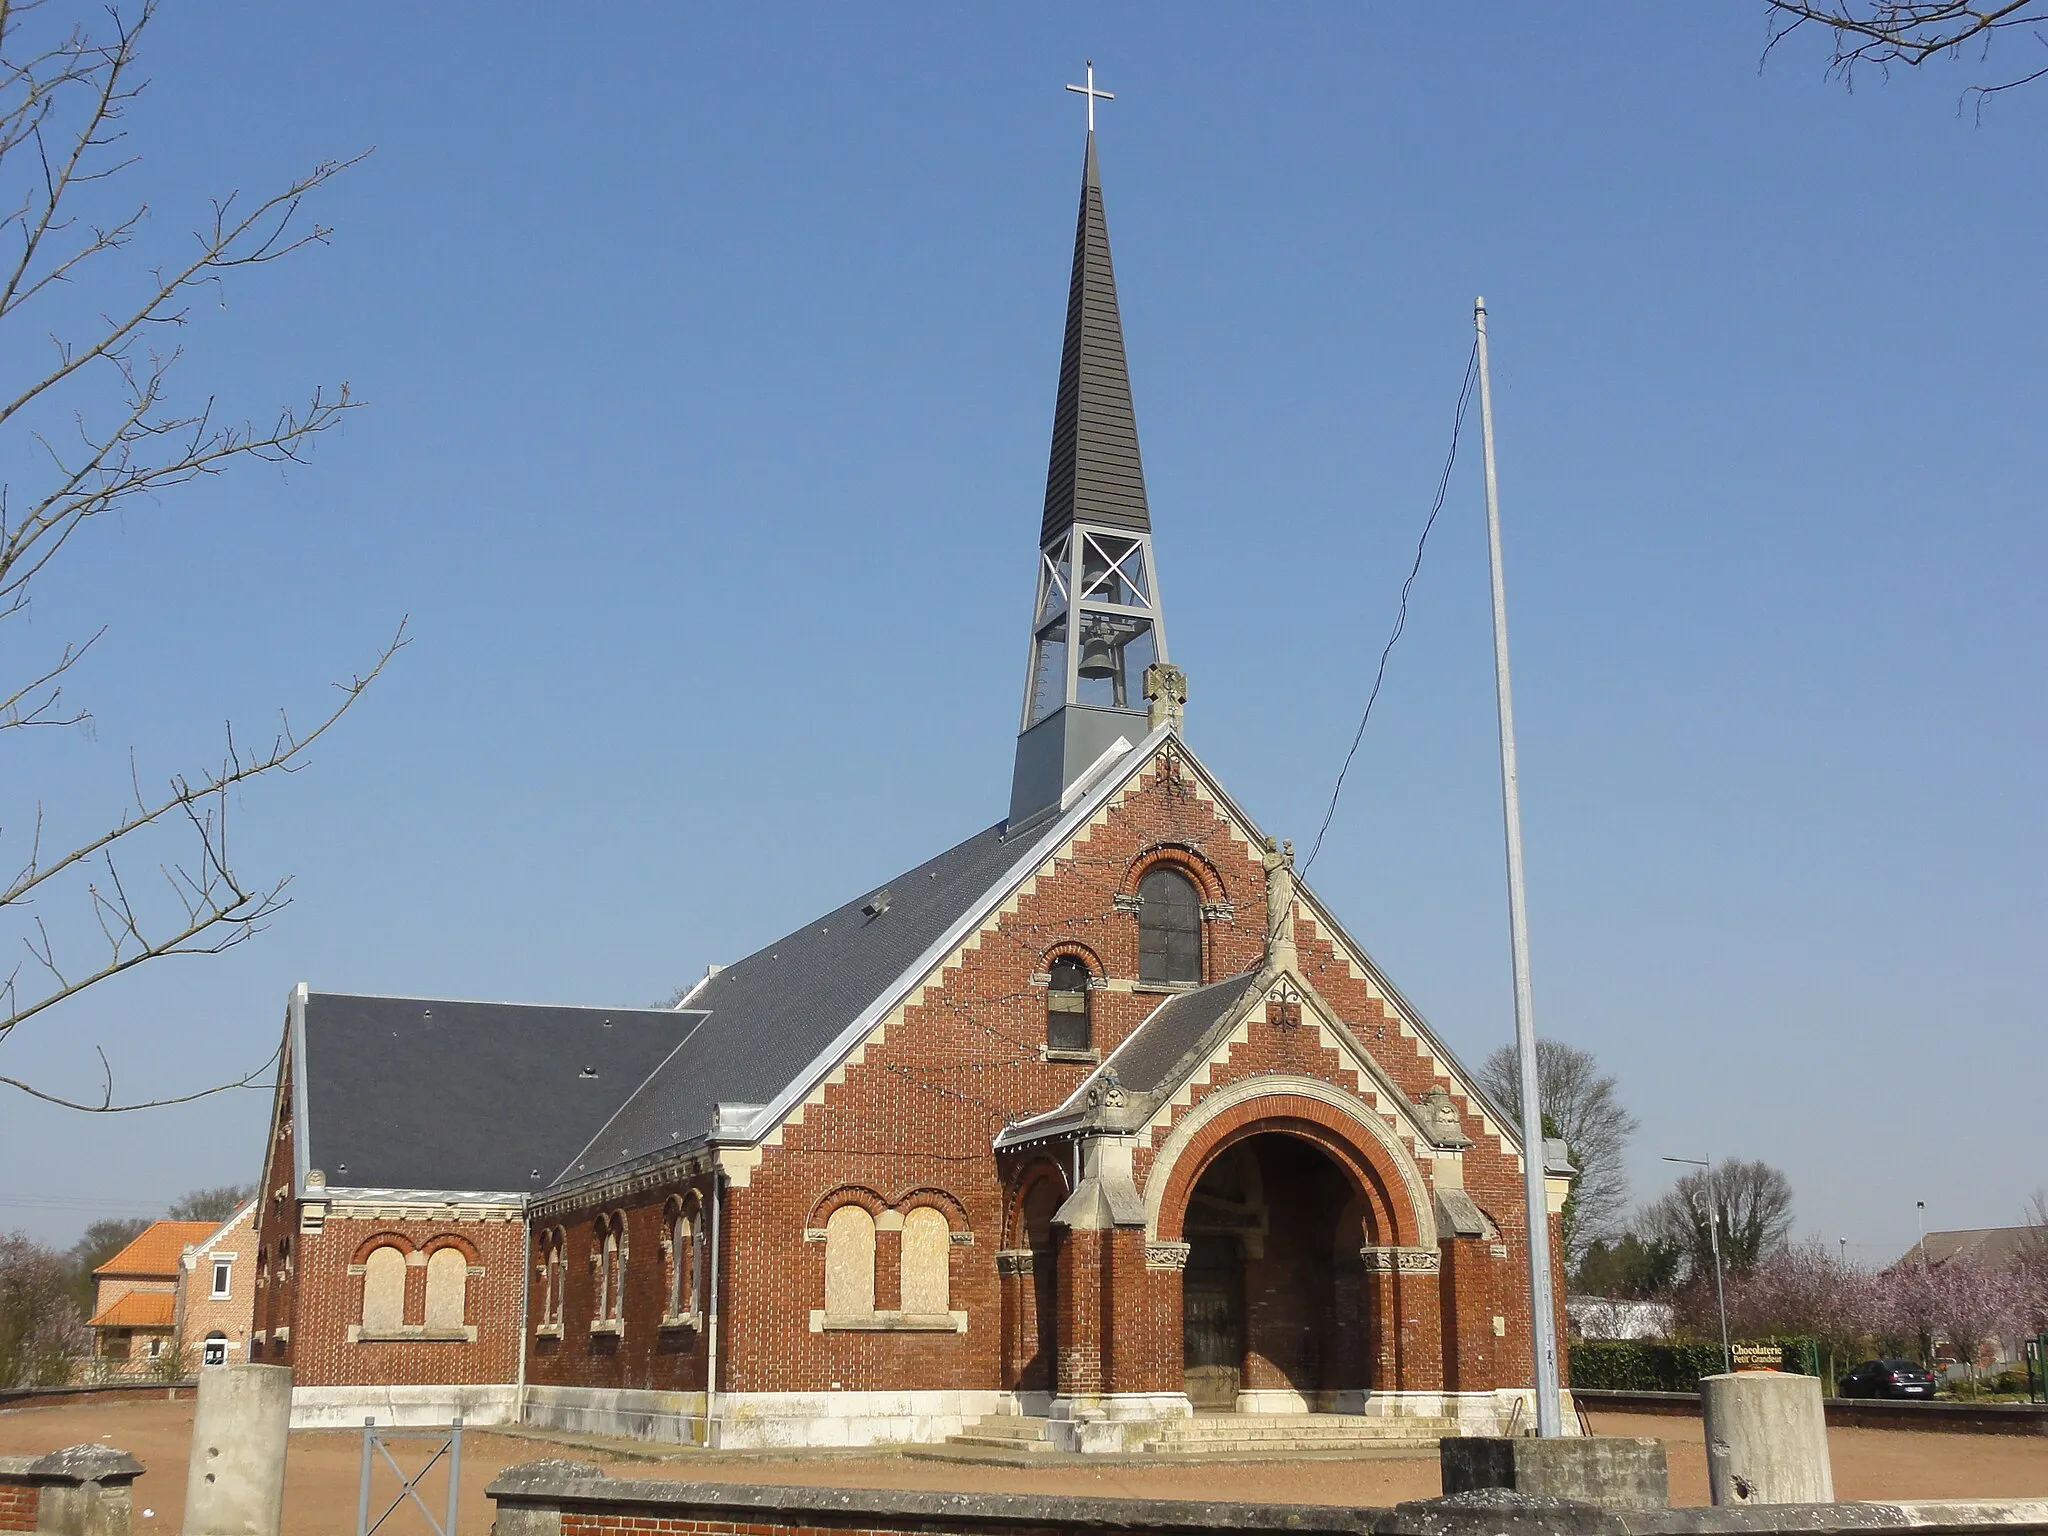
point(156, 1251)
point(137, 1309)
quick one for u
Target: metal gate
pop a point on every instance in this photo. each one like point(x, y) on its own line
point(1212, 1322)
point(408, 1486)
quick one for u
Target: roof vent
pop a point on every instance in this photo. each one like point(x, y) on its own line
point(877, 904)
point(588, 1072)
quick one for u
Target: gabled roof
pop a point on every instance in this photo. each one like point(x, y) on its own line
point(157, 1249)
point(1993, 1247)
point(137, 1309)
point(408, 1093)
point(1094, 473)
point(240, 1214)
point(781, 1020)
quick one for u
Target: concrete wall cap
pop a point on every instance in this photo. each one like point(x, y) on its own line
point(86, 1464)
point(1034, 1510)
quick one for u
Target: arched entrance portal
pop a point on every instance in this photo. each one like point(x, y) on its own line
point(1273, 1304)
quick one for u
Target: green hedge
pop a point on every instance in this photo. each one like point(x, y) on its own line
point(1635, 1365)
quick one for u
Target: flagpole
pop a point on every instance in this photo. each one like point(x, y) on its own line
point(1542, 1305)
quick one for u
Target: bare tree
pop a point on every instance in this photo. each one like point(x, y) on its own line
point(92, 422)
point(41, 1330)
point(1876, 34)
point(1754, 1203)
point(1581, 1104)
point(216, 1204)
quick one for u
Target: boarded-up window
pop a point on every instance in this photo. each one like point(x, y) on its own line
point(383, 1291)
point(849, 1263)
point(1169, 927)
point(447, 1288)
point(927, 1251)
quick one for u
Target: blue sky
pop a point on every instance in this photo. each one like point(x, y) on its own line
point(710, 357)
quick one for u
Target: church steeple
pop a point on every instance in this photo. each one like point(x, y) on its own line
point(1097, 625)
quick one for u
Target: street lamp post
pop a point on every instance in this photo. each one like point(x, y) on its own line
point(1714, 1241)
point(1920, 1208)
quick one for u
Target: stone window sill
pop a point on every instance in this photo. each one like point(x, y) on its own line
point(610, 1325)
point(891, 1322)
point(548, 1331)
point(1165, 986)
point(408, 1334)
point(1058, 1053)
point(682, 1320)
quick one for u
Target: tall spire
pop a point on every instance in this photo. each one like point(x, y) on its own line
point(1098, 636)
point(1094, 474)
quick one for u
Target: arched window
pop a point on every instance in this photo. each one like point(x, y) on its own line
point(1066, 1005)
point(447, 1289)
point(849, 1263)
point(1169, 927)
point(682, 1256)
point(215, 1349)
point(927, 1255)
point(384, 1291)
point(611, 1268)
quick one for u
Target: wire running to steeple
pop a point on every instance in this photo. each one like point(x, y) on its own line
point(1443, 486)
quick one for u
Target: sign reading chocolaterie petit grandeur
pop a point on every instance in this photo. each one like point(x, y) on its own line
point(1759, 1357)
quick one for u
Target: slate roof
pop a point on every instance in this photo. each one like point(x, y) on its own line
point(1094, 472)
point(772, 1014)
point(1152, 1057)
point(157, 1249)
point(439, 1094)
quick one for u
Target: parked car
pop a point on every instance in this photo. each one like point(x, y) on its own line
point(1889, 1378)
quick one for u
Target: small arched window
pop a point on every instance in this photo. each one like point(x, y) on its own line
point(384, 1291)
point(927, 1255)
point(1067, 1026)
point(682, 1254)
point(1169, 927)
point(447, 1289)
point(849, 1263)
point(611, 1277)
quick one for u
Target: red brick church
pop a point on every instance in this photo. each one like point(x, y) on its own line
point(1096, 1119)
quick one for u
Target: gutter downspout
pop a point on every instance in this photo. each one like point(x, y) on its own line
point(717, 1312)
point(525, 1306)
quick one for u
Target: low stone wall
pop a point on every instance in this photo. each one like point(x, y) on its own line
point(569, 1498)
point(1853, 1412)
point(99, 1392)
point(83, 1490)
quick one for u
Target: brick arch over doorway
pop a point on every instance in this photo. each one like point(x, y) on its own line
point(1358, 1141)
point(1380, 1320)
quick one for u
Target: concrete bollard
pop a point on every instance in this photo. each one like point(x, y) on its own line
point(236, 1484)
point(1767, 1439)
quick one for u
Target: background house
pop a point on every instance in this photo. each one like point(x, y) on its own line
point(216, 1295)
point(135, 1298)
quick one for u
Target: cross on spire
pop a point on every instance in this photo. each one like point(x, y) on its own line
point(1092, 94)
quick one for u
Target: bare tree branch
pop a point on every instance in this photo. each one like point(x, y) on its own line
point(99, 421)
point(1876, 34)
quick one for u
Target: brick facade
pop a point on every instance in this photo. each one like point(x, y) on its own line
point(205, 1310)
point(1353, 1289)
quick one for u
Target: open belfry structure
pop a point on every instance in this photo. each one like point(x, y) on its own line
point(1095, 1131)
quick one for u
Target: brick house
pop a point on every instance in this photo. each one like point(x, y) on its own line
point(135, 1300)
point(1099, 1116)
point(217, 1292)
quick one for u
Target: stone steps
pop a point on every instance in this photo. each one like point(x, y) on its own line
point(1019, 1438)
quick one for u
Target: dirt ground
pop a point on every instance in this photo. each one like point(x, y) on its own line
point(324, 1466)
